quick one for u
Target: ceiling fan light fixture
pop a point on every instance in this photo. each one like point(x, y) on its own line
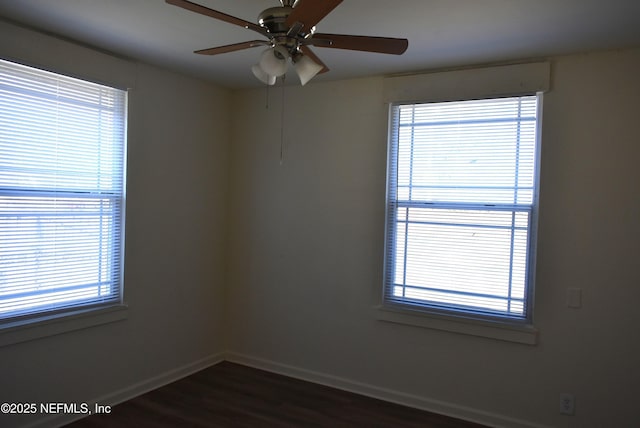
point(262, 76)
point(273, 61)
point(306, 68)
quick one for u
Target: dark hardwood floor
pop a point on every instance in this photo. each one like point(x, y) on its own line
point(229, 395)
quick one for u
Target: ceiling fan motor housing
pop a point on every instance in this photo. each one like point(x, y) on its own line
point(274, 19)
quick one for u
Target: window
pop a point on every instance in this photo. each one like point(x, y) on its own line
point(462, 207)
point(62, 151)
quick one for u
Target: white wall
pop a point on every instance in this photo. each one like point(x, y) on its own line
point(175, 238)
point(306, 253)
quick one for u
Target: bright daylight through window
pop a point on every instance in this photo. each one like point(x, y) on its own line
point(62, 151)
point(462, 207)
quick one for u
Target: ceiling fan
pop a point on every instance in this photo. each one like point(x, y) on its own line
point(291, 30)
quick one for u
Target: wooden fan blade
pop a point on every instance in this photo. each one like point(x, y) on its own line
point(310, 12)
point(232, 48)
point(193, 7)
point(308, 52)
point(362, 43)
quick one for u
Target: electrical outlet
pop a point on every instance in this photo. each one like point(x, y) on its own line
point(567, 404)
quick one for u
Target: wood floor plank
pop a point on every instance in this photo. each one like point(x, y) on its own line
point(230, 395)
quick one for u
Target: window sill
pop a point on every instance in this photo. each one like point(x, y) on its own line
point(524, 334)
point(50, 325)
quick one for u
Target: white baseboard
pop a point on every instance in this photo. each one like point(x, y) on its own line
point(418, 402)
point(422, 403)
point(132, 391)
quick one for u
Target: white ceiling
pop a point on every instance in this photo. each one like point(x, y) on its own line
point(441, 33)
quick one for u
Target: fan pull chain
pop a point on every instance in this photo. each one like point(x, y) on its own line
point(282, 123)
point(267, 97)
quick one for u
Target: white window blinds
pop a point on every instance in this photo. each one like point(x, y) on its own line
point(461, 206)
point(62, 151)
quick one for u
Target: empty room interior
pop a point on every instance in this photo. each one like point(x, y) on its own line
point(283, 226)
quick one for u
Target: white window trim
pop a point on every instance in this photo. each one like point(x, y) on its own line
point(91, 65)
point(49, 325)
point(44, 324)
point(491, 82)
point(524, 333)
